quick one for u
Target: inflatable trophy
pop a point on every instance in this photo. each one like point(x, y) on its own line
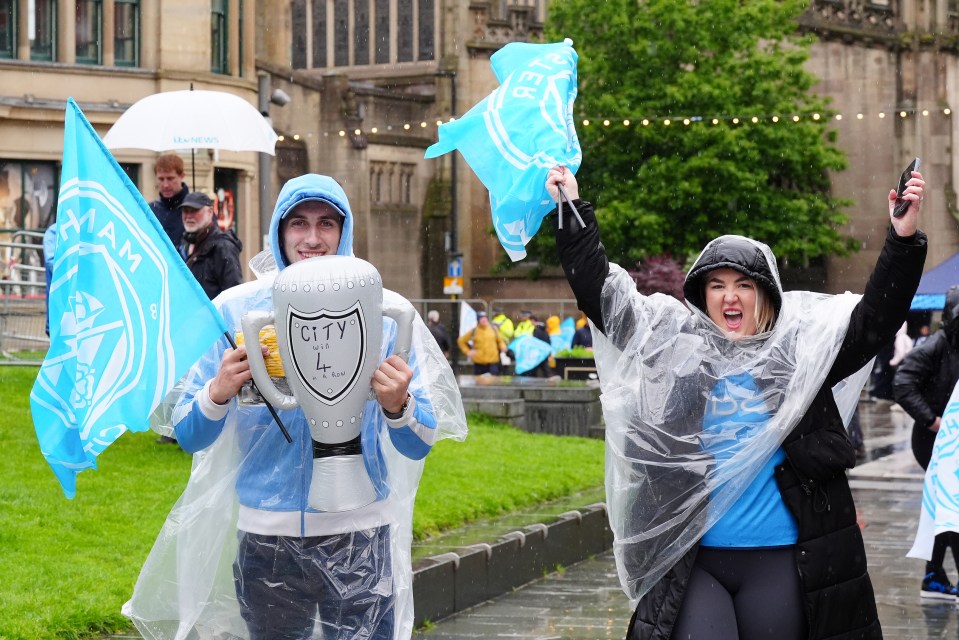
point(328, 312)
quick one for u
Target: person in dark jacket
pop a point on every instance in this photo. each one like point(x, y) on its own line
point(212, 255)
point(922, 386)
point(439, 332)
point(583, 337)
point(168, 170)
point(542, 370)
point(727, 453)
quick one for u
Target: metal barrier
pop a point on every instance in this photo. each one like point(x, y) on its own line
point(541, 307)
point(23, 294)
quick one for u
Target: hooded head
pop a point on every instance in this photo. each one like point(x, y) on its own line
point(744, 255)
point(310, 188)
point(950, 312)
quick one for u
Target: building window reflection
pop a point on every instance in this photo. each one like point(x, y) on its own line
point(343, 33)
point(8, 28)
point(219, 37)
point(88, 35)
point(41, 21)
point(126, 33)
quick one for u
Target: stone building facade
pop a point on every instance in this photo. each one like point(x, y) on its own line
point(368, 81)
point(895, 63)
point(107, 54)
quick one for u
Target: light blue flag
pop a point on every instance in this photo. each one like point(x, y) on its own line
point(513, 137)
point(529, 352)
point(940, 491)
point(127, 318)
point(563, 340)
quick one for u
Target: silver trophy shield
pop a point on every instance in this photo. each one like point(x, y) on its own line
point(328, 313)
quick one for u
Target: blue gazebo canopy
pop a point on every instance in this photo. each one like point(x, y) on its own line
point(931, 294)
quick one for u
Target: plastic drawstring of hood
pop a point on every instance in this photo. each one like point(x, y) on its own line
point(661, 365)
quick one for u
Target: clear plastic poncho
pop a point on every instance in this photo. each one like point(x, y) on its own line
point(670, 473)
point(186, 586)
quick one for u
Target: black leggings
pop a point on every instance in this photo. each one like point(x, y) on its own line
point(742, 594)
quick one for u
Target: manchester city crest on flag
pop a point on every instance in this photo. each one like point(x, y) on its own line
point(513, 137)
point(119, 301)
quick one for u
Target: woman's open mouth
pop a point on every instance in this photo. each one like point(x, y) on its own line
point(733, 319)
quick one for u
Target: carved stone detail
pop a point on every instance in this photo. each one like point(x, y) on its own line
point(519, 24)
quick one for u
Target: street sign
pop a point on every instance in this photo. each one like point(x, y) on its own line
point(452, 286)
point(455, 268)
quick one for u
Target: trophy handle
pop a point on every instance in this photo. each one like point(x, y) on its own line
point(404, 315)
point(252, 323)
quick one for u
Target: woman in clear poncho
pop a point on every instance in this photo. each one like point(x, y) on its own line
point(726, 449)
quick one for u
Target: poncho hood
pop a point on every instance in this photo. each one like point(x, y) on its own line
point(311, 188)
point(746, 256)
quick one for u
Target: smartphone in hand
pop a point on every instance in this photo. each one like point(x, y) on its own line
point(903, 205)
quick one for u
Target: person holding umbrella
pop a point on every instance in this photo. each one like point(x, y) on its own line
point(173, 189)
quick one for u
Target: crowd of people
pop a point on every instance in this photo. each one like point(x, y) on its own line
point(726, 480)
point(500, 346)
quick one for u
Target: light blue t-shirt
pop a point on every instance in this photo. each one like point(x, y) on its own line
point(759, 518)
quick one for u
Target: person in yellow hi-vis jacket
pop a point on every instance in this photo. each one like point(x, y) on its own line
point(503, 325)
point(486, 346)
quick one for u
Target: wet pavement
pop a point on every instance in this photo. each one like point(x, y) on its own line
point(585, 601)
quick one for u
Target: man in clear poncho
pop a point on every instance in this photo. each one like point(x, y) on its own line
point(242, 554)
point(726, 450)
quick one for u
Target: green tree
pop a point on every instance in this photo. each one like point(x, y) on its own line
point(669, 189)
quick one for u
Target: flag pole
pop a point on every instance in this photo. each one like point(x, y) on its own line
point(279, 423)
point(562, 190)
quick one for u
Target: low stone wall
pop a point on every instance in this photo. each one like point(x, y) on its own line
point(537, 405)
point(454, 581)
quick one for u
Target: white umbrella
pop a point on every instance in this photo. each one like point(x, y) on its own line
point(192, 120)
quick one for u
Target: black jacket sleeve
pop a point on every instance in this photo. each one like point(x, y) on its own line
point(583, 258)
point(884, 305)
point(915, 377)
point(227, 256)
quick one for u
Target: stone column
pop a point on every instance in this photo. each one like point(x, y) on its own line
point(149, 33)
point(23, 32)
point(108, 37)
point(249, 39)
point(66, 32)
point(233, 37)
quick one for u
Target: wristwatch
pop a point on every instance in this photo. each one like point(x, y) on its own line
point(399, 414)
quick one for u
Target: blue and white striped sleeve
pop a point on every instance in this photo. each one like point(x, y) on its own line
point(414, 432)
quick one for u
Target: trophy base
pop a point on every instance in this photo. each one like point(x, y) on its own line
point(340, 483)
point(250, 395)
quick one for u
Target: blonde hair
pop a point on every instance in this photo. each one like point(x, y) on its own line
point(765, 312)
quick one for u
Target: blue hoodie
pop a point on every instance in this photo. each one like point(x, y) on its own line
point(276, 475)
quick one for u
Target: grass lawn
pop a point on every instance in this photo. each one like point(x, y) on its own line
point(67, 566)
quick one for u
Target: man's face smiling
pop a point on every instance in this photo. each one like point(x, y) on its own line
point(311, 229)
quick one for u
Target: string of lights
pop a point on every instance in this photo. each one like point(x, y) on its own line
point(665, 121)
